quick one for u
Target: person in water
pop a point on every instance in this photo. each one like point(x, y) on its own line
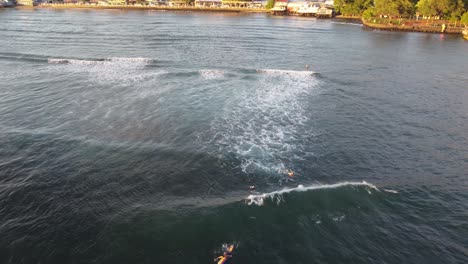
point(227, 254)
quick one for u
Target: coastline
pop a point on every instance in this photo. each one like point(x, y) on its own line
point(423, 26)
point(157, 8)
point(414, 26)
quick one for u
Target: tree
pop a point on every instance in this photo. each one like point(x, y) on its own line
point(445, 8)
point(270, 4)
point(369, 13)
point(424, 7)
point(394, 7)
point(352, 7)
point(464, 19)
point(457, 10)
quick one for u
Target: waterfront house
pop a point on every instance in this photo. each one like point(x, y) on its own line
point(259, 3)
point(179, 3)
point(237, 3)
point(25, 2)
point(157, 2)
point(208, 3)
point(117, 2)
point(308, 9)
point(280, 7)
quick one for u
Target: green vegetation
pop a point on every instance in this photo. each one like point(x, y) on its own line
point(444, 9)
point(441, 8)
point(270, 4)
point(464, 19)
point(394, 8)
point(352, 7)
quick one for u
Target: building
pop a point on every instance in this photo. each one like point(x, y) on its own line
point(25, 2)
point(117, 2)
point(237, 3)
point(208, 3)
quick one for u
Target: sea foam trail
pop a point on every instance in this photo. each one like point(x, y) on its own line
point(264, 123)
point(259, 199)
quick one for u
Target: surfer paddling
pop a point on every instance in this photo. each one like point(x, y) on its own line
point(227, 254)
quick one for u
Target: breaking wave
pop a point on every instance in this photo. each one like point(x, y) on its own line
point(211, 74)
point(286, 72)
point(121, 70)
point(264, 124)
point(100, 61)
point(277, 196)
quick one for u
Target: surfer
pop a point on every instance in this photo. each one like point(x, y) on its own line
point(307, 67)
point(290, 173)
point(227, 254)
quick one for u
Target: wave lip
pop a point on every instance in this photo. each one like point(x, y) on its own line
point(259, 199)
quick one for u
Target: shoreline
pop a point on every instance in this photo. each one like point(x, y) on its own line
point(414, 26)
point(423, 26)
point(157, 8)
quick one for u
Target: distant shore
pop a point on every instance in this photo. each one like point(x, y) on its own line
point(425, 26)
point(159, 8)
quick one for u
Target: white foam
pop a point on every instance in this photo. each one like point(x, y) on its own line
point(133, 60)
point(122, 70)
point(286, 72)
point(105, 61)
point(277, 196)
point(264, 124)
point(339, 218)
point(211, 74)
point(390, 191)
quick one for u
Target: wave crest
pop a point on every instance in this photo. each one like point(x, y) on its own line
point(277, 196)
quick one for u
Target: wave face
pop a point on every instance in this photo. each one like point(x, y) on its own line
point(265, 125)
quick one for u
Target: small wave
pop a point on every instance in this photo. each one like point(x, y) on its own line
point(99, 61)
point(122, 70)
point(259, 199)
point(211, 74)
point(74, 61)
point(286, 72)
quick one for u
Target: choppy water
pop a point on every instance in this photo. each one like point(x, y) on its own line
point(133, 137)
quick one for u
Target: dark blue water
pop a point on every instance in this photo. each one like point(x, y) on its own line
point(133, 137)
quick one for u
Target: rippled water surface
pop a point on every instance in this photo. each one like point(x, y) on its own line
point(133, 137)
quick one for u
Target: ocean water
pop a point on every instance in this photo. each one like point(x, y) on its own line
point(134, 136)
